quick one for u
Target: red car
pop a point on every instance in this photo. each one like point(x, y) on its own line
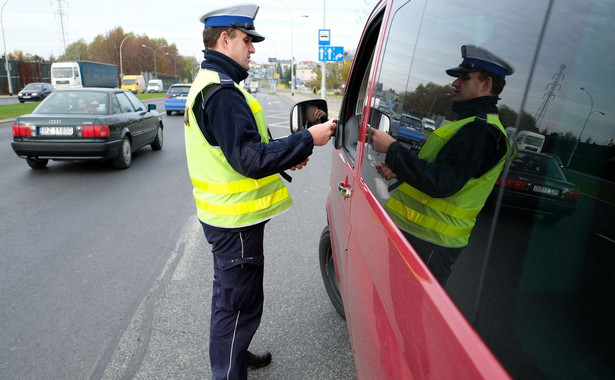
point(526, 299)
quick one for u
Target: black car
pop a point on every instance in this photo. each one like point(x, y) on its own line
point(536, 183)
point(87, 123)
point(35, 91)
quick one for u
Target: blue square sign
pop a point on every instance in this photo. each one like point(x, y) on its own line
point(324, 36)
point(331, 53)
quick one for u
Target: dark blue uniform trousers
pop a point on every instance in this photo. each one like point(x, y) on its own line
point(237, 297)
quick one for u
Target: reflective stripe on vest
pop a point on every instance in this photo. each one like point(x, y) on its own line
point(447, 221)
point(223, 197)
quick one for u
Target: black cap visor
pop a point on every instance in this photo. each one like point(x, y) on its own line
point(249, 30)
point(457, 71)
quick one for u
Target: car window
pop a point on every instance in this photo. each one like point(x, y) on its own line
point(535, 280)
point(537, 164)
point(33, 87)
point(138, 105)
point(347, 133)
point(175, 90)
point(125, 104)
point(115, 105)
point(79, 102)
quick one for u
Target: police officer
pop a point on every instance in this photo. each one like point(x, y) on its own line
point(234, 166)
point(446, 185)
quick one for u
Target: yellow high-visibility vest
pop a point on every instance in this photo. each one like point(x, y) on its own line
point(449, 221)
point(223, 197)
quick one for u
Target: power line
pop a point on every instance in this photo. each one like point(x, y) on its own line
point(61, 13)
point(550, 94)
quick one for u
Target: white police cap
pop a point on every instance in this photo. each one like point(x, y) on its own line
point(477, 58)
point(239, 16)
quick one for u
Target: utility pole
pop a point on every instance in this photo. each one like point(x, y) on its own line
point(61, 13)
point(323, 72)
point(6, 57)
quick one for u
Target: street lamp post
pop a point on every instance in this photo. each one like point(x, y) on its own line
point(154, 50)
point(323, 79)
point(292, 57)
point(174, 63)
point(435, 96)
point(292, 54)
point(6, 57)
point(591, 110)
point(121, 65)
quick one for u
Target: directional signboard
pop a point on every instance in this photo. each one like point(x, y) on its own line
point(331, 53)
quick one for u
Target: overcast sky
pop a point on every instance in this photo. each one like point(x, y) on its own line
point(35, 26)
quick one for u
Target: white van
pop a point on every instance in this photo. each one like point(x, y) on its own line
point(155, 85)
point(531, 141)
point(428, 124)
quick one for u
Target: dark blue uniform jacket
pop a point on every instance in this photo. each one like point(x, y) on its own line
point(227, 121)
point(471, 152)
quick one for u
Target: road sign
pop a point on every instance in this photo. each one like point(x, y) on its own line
point(324, 36)
point(331, 53)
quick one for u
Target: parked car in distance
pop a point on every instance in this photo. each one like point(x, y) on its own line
point(175, 100)
point(155, 85)
point(35, 91)
point(87, 124)
point(536, 183)
point(409, 129)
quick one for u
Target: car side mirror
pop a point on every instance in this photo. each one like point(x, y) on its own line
point(379, 120)
point(151, 107)
point(307, 113)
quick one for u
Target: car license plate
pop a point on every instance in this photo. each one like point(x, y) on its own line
point(56, 131)
point(26, 96)
point(546, 190)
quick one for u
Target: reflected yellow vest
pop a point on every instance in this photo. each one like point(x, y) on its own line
point(225, 198)
point(447, 222)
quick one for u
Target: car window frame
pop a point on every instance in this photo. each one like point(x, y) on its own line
point(120, 96)
point(136, 103)
point(357, 96)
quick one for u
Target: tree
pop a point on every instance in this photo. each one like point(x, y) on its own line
point(135, 58)
point(508, 117)
point(75, 52)
point(337, 74)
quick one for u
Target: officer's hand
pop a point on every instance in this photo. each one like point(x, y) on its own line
point(301, 165)
point(381, 141)
point(386, 172)
point(314, 114)
point(321, 133)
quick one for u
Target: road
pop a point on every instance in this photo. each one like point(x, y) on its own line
point(106, 274)
point(5, 99)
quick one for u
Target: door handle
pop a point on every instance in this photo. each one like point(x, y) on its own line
point(344, 189)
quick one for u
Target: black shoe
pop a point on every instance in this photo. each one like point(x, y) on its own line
point(258, 360)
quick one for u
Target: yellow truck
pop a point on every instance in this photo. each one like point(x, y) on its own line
point(133, 83)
